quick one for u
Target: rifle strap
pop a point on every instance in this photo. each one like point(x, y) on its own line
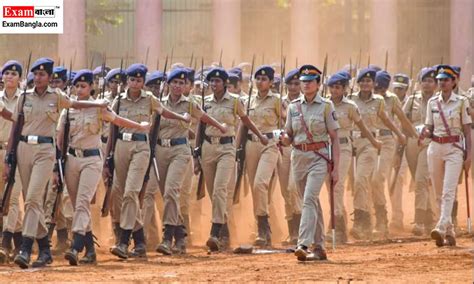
point(309, 136)
point(445, 123)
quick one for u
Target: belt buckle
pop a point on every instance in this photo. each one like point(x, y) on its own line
point(127, 137)
point(277, 133)
point(419, 128)
point(166, 143)
point(215, 140)
point(32, 139)
point(356, 134)
point(79, 153)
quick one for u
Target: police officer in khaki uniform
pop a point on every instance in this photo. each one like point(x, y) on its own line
point(392, 108)
point(174, 157)
point(347, 114)
point(416, 153)
point(62, 221)
point(131, 153)
point(11, 74)
point(448, 124)
point(291, 196)
point(36, 153)
point(153, 84)
point(371, 108)
point(311, 126)
point(261, 159)
point(400, 85)
point(218, 149)
point(83, 167)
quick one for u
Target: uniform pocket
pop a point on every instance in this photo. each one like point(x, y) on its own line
point(27, 110)
point(52, 112)
point(91, 123)
point(317, 125)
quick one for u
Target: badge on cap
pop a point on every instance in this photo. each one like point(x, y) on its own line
point(441, 70)
point(82, 78)
point(367, 75)
point(55, 75)
point(217, 73)
point(117, 76)
point(295, 77)
point(14, 68)
point(182, 76)
point(306, 71)
point(400, 79)
point(41, 67)
point(263, 72)
point(138, 74)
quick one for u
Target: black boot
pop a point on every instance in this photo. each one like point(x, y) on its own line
point(264, 232)
point(381, 223)
point(6, 248)
point(213, 241)
point(180, 235)
point(90, 257)
point(72, 254)
point(61, 242)
point(117, 232)
point(419, 227)
point(224, 237)
point(17, 239)
point(122, 249)
point(139, 251)
point(165, 246)
point(44, 255)
point(22, 259)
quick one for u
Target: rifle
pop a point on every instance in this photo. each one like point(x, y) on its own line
point(240, 155)
point(11, 157)
point(153, 140)
point(201, 193)
point(325, 70)
point(109, 161)
point(102, 95)
point(466, 183)
point(331, 197)
point(386, 60)
point(220, 57)
point(61, 156)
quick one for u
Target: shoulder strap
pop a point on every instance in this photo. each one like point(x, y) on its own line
point(303, 123)
point(443, 118)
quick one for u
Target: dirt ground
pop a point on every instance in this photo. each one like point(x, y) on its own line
point(407, 260)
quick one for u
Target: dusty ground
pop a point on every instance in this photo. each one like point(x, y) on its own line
point(407, 260)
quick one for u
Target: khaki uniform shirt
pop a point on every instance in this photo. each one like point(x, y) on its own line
point(227, 110)
point(347, 114)
point(41, 112)
point(5, 125)
point(265, 112)
point(391, 102)
point(138, 110)
point(319, 116)
point(456, 113)
point(173, 128)
point(86, 126)
point(369, 109)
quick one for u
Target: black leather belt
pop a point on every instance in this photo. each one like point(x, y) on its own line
point(103, 139)
point(385, 132)
point(343, 140)
point(219, 140)
point(84, 153)
point(132, 137)
point(172, 142)
point(269, 135)
point(32, 139)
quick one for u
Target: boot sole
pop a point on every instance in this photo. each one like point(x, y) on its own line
point(301, 255)
point(435, 235)
point(21, 263)
point(71, 258)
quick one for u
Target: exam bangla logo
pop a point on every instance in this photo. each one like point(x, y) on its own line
point(29, 12)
